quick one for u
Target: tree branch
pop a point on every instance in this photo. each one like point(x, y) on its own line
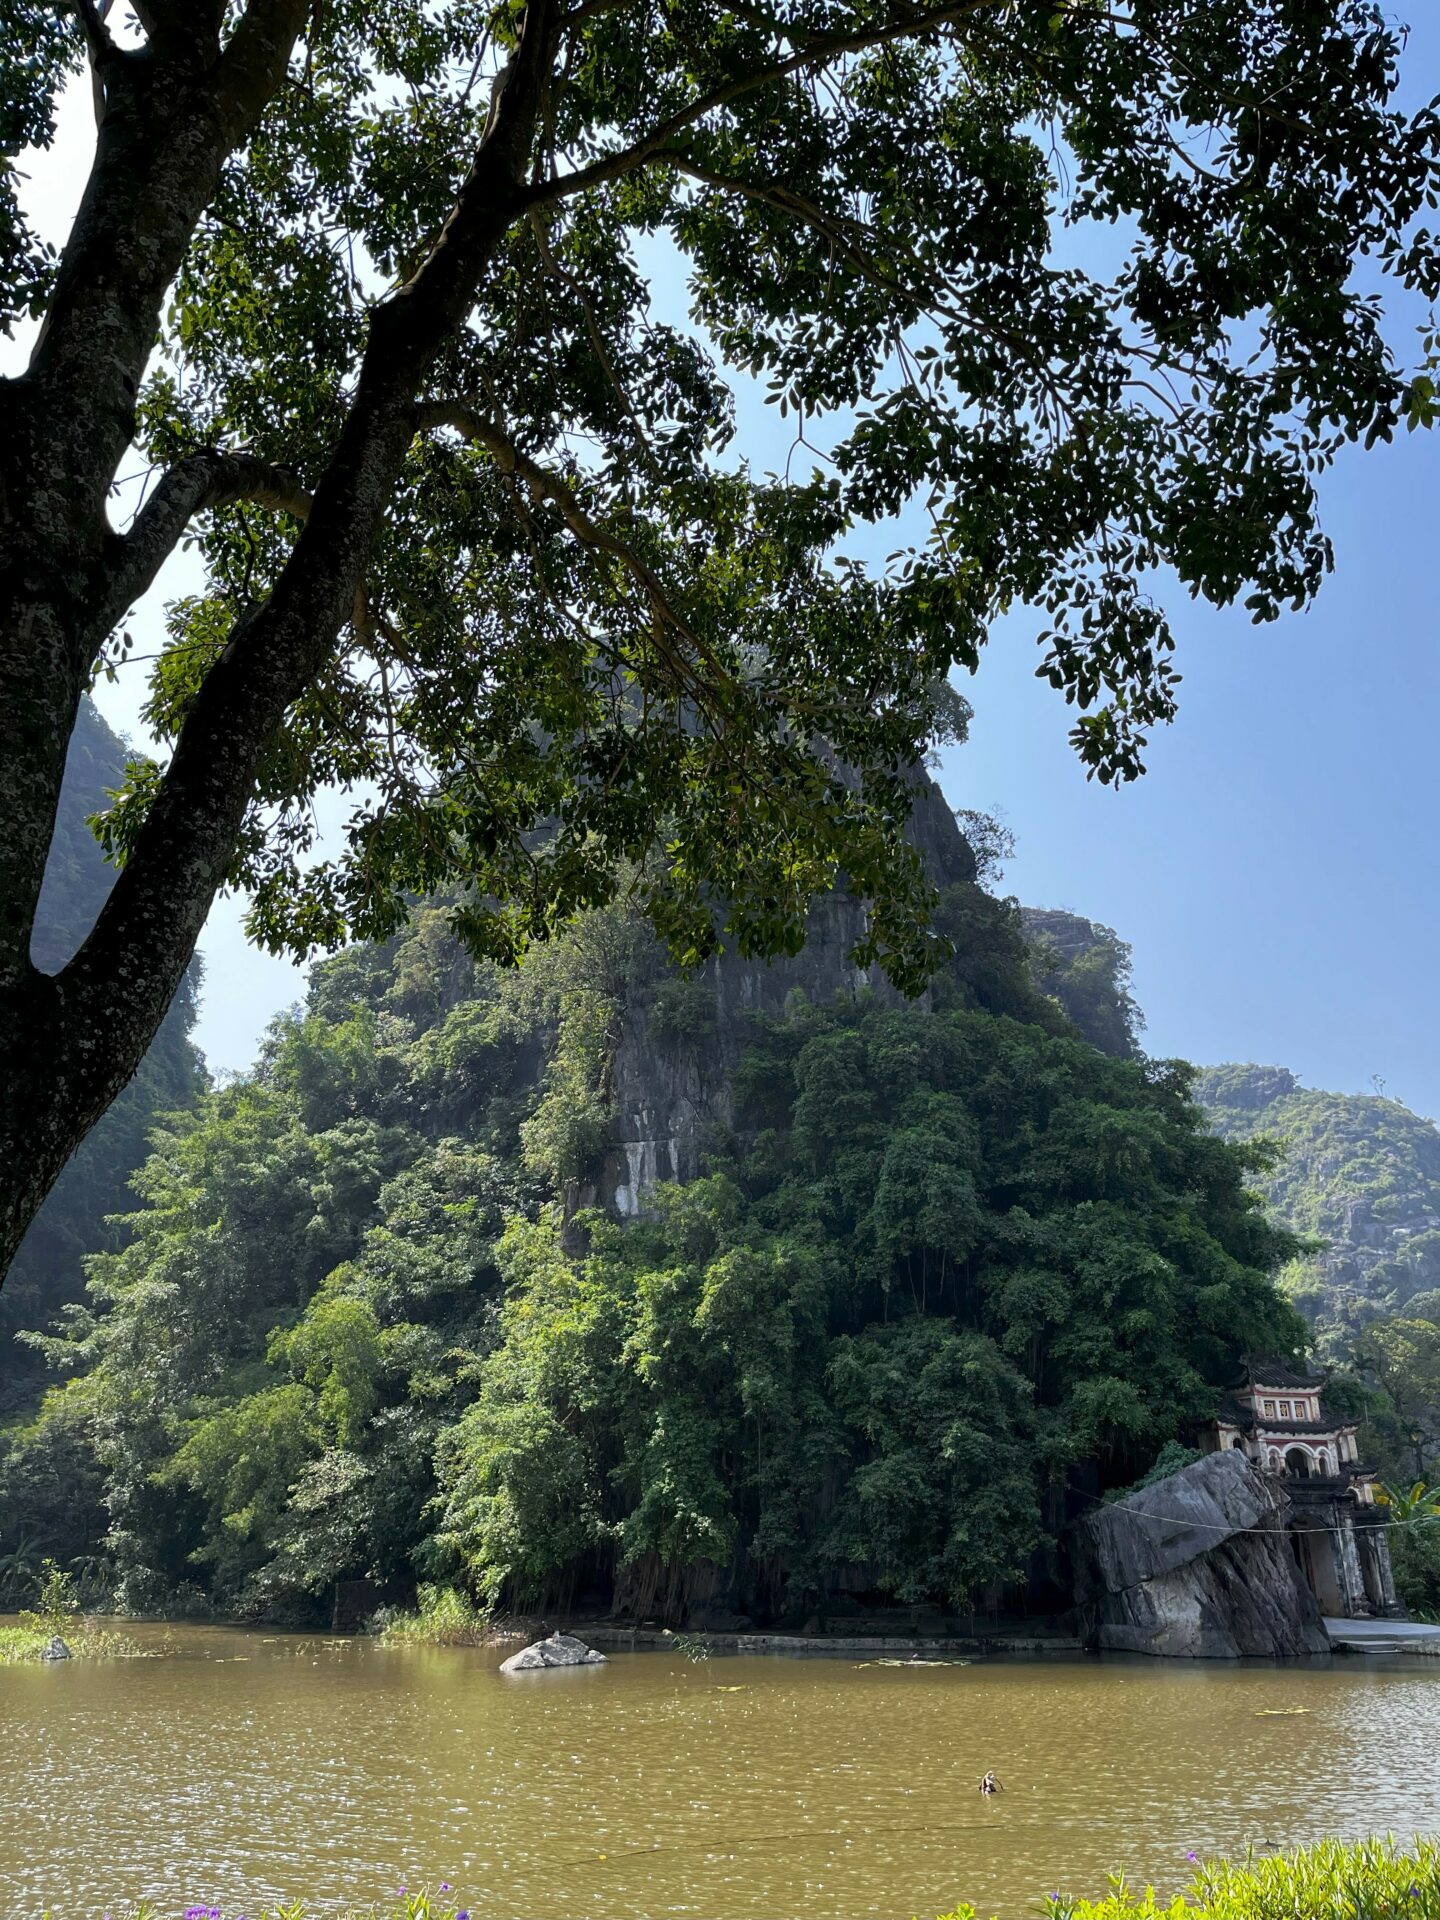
point(254, 61)
point(147, 928)
point(814, 53)
point(207, 479)
point(98, 43)
point(545, 485)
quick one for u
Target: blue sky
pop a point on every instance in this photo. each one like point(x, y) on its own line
point(1276, 870)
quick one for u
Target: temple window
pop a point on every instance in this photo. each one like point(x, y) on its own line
point(1270, 1408)
point(1284, 1409)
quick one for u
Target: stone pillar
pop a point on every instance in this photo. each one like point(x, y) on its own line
point(1380, 1548)
point(1347, 1565)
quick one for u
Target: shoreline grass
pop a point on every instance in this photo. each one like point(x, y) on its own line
point(445, 1617)
point(25, 1644)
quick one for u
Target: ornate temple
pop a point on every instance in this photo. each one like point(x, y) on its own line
point(1280, 1420)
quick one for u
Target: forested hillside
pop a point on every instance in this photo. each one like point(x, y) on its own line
point(1356, 1172)
point(48, 1274)
point(416, 1300)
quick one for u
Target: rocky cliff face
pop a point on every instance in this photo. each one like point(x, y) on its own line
point(1197, 1566)
point(1358, 1172)
point(1085, 969)
point(674, 1069)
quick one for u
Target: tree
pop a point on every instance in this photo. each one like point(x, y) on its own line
point(79, 1217)
point(1402, 1355)
point(371, 289)
point(1414, 1527)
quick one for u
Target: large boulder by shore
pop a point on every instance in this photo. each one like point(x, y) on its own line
point(1197, 1566)
point(559, 1650)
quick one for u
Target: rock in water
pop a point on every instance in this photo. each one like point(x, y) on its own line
point(560, 1650)
point(56, 1650)
point(1197, 1566)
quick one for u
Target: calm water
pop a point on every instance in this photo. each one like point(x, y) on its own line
point(247, 1767)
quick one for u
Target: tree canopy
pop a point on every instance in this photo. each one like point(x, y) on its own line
point(383, 294)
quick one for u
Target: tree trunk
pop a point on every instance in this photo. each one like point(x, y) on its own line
point(170, 118)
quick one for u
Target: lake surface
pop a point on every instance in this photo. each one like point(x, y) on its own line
point(245, 1767)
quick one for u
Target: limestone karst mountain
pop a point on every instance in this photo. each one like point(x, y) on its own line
point(1359, 1175)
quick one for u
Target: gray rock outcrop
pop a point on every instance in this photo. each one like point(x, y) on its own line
point(559, 1650)
point(1197, 1566)
point(56, 1650)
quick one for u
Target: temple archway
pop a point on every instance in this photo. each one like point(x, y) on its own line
point(1299, 1462)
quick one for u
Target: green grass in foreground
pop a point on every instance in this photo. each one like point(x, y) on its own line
point(1371, 1880)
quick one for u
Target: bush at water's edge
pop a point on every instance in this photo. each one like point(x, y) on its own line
point(1368, 1880)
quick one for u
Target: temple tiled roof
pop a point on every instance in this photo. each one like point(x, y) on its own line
point(1266, 1372)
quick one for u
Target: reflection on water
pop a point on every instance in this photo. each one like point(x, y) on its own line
point(248, 1767)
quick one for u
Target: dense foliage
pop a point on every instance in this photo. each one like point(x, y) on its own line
point(77, 1219)
point(429, 318)
point(942, 1259)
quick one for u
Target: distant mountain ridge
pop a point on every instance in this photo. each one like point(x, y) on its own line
point(1357, 1171)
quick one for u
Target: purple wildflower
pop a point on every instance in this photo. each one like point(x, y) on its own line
point(444, 1886)
point(1192, 1856)
point(464, 1914)
point(1414, 1893)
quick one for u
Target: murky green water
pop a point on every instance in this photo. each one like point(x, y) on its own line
point(247, 1767)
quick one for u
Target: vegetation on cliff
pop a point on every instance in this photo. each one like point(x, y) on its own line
point(1085, 968)
point(940, 1258)
point(1358, 1174)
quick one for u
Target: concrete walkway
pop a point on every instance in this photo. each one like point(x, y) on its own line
point(1383, 1636)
